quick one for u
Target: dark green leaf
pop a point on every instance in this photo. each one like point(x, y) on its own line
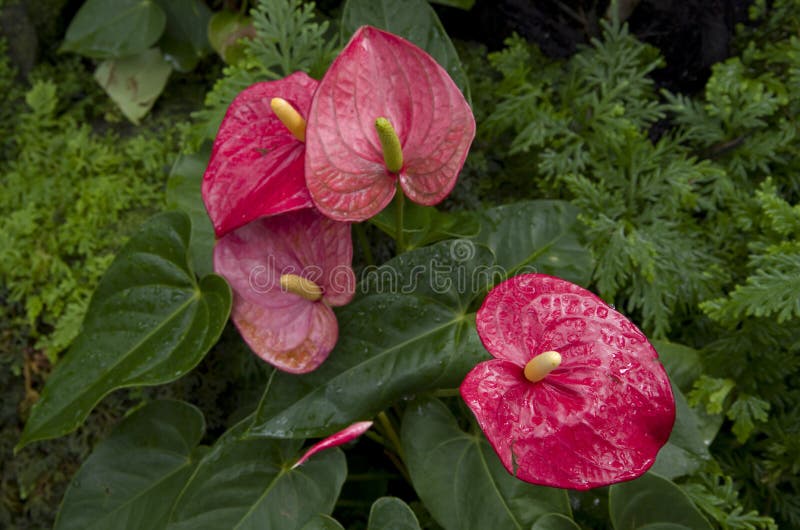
point(323, 522)
point(149, 322)
point(185, 39)
point(461, 4)
point(423, 225)
point(681, 362)
point(131, 479)
point(109, 29)
point(135, 82)
point(555, 521)
point(391, 513)
point(391, 344)
point(460, 479)
point(248, 484)
point(414, 20)
point(664, 526)
point(537, 236)
point(225, 33)
point(652, 499)
point(687, 448)
point(183, 193)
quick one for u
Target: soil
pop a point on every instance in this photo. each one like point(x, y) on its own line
point(691, 34)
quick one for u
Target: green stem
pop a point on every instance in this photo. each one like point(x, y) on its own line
point(363, 242)
point(391, 434)
point(447, 392)
point(399, 202)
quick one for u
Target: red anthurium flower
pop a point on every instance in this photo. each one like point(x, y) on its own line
point(601, 405)
point(256, 165)
point(384, 112)
point(286, 272)
point(342, 437)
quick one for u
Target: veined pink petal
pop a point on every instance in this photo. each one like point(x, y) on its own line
point(257, 166)
point(597, 419)
point(381, 75)
point(285, 329)
point(350, 433)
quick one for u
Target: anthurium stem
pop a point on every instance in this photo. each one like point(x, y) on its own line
point(390, 143)
point(399, 204)
point(289, 117)
point(292, 283)
point(364, 242)
point(391, 434)
point(541, 365)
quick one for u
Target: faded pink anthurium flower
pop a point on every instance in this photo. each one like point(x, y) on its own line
point(256, 166)
point(384, 113)
point(575, 397)
point(286, 271)
point(342, 437)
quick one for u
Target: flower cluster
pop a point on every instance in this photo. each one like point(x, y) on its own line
point(296, 160)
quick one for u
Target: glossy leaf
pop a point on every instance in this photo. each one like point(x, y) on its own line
point(598, 418)
point(323, 522)
point(555, 521)
point(380, 75)
point(247, 484)
point(423, 225)
point(409, 333)
point(256, 167)
point(687, 447)
point(131, 479)
point(185, 38)
point(289, 331)
point(413, 20)
point(537, 236)
point(681, 362)
point(109, 29)
point(149, 322)
point(226, 30)
point(459, 478)
point(183, 193)
point(460, 4)
point(134, 82)
point(391, 513)
point(652, 500)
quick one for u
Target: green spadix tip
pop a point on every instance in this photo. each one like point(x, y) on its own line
point(390, 143)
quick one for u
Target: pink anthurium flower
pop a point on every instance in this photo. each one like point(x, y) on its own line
point(286, 272)
point(256, 166)
point(342, 437)
point(575, 397)
point(384, 113)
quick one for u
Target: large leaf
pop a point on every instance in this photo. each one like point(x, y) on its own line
point(460, 479)
point(149, 322)
point(391, 513)
point(423, 225)
point(108, 29)
point(414, 20)
point(185, 39)
point(131, 479)
point(681, 362)
point(249, 484)
point(461, 4)
point(655, 501)
point(323, 522)
point(537, 236)
point(555, 521)
point(687, 447)
point(135, 82)
point(183, 193)
point(409, 333)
